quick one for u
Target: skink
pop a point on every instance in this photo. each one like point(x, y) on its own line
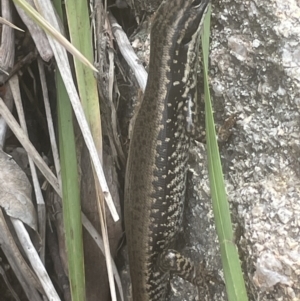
point(155, 182)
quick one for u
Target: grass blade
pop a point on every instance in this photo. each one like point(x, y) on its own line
point(71, 193)
point(80, 34)
point(47, 27)
point(81, 37)
point(234, 281)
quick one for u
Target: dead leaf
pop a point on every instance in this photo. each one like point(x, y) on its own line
point(15, 192)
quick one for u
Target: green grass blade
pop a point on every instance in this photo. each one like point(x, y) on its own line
point(234, 281)
point(71, 193)
point(81, 36)
point(47, 27)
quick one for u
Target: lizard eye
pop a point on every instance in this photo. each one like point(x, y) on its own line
point(196, 3)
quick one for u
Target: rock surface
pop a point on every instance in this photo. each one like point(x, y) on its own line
point(255, 74)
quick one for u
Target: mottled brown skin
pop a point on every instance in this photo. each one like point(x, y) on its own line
point(157, 163)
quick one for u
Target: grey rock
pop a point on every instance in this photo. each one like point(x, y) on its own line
point(255, 59)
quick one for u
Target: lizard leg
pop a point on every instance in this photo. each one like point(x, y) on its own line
point(174, 262)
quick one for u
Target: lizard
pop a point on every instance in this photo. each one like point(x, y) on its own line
point(155, 178)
